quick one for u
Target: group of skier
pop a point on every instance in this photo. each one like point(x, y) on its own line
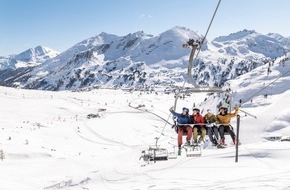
point(211, 124)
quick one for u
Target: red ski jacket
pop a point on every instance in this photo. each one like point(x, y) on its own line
point(197, 119)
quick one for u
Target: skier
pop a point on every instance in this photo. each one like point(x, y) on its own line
point(224, 119)
point(182, 120)
point(212, 130)
point(197, 119)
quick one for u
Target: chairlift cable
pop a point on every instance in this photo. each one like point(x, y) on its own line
point(211, 21)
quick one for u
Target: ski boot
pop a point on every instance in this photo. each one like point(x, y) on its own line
point(179, 151)
point(200, 141)
point(222, 142)
point(234, 141)
point(214, 142)
point(187, 143)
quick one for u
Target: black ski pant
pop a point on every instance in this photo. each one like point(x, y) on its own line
point(213, 134)
point(226, 128)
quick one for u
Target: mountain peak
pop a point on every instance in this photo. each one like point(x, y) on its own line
point(29, 57)
point(33, 53)
point(106, 35)
point(138, 34)
point(180, 28)
point(182, 33)
point(235, 36)
point(40, 50)
point(276, 36)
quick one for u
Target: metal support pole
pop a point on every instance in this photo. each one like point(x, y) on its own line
point(231, 101)
point(237, 137)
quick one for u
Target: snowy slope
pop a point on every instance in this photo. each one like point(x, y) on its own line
point(49, 143)
point(143, 61)
point(28, 58)
point(263, 92)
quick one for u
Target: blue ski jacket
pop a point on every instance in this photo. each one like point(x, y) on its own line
point(181, 119)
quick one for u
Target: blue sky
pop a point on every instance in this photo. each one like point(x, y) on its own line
point(59, 24)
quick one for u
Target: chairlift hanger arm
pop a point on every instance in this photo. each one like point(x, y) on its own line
point(196, 45)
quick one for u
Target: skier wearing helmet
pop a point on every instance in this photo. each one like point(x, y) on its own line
point(224, 119)
point(197, 119)
point(182, 120)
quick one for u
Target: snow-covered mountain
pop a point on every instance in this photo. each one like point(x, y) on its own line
point(251, 44)
point(285, 41)
point(29, 58)
point(140, 60)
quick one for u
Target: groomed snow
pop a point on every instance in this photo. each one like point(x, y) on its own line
point(54, 146)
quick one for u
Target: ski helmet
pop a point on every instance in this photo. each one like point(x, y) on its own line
point(185, 109)
point(196, 109)
point(224, 108)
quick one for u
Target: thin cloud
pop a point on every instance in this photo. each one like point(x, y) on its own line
point(145, 16)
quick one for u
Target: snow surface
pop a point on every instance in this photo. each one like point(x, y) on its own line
point(49, 143)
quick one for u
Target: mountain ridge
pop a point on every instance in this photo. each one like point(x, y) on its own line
point(139, 60)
